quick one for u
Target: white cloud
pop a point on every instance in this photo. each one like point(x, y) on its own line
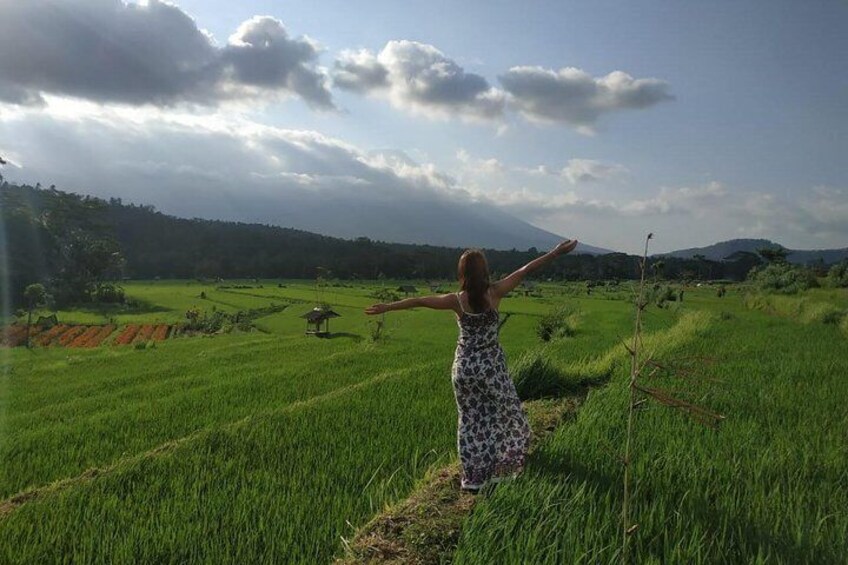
point(419, 78)
point(573, 97)
point(575, 171)
point(586, 170)
point(683, 200)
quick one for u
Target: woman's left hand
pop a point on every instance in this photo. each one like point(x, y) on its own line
point(377, 309)
point(566, 246)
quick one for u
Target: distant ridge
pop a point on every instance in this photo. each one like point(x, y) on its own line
point(720, 251)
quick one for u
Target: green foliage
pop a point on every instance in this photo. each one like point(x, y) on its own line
point(782, 278)
point(208, 323)
point(375, 329)
point(837, 276)
point(703, 499)
point(561, 322)
point(773, 254)
point(35, 295)
point(661, 294)
point(833, 317)
point(108, 293)
point(385, 295)
point(535, 376)
point(76, 242)
point(288, 444)
point(58, 237)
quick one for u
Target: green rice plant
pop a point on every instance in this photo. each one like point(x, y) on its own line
point(535, 376)
point(639, 393)
point(769, 488)
point(559, 323)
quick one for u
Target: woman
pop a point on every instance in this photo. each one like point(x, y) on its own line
point(493, 432)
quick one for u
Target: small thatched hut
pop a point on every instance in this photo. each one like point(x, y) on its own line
point(529, 287)
point(407, 289)
point(317, 317)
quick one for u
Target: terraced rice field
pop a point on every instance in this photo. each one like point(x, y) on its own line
point(69, 335)
point(270, 446)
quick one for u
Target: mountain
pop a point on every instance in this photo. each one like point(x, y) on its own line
point(415, 219)
point(719, 251)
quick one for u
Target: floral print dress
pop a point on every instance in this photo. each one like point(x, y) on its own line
point(493, 433)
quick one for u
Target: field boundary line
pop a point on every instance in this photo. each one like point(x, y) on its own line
point(266, 338)
point(15, 501)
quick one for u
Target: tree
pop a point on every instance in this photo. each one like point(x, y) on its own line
point(773, 254)
point(702, 260)
point(657, 267)
point(35, 295)
point(837, 276)
point(739, 263)
point(782, 278)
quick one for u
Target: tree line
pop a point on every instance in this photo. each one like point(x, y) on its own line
point(79, 247)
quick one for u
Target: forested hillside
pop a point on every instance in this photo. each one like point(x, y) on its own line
point(51, 235)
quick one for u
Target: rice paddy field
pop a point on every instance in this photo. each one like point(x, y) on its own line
point(270, 446)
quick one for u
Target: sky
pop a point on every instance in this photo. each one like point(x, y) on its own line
point(698, 121)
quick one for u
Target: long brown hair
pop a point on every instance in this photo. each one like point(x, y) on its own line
point(473, 271)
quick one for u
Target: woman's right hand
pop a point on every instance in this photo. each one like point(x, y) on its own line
point(566, 246)
point(376, 309)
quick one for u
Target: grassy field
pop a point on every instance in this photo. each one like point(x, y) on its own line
point(769, 486)
point(270, 446)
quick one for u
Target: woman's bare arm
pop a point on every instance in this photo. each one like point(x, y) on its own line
point(508, 283)
point(436, 302)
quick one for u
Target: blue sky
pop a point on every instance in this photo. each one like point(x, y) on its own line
point(743, 134)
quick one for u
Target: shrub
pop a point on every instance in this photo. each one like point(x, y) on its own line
point(560, 322)
point(832, 317)
point(782, 278)
point(660, 294)
point(837, 276)
point(375, 329)
point(109, 293)
point(535, 376)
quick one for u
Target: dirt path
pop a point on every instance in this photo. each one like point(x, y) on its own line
point(425, 527)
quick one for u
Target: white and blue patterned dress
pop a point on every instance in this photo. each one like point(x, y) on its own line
point(493, 433)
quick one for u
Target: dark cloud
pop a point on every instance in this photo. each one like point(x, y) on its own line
point(419, 77)
point(359, 71)
point(152, 53)
point(217, 167)
point(573, 97)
